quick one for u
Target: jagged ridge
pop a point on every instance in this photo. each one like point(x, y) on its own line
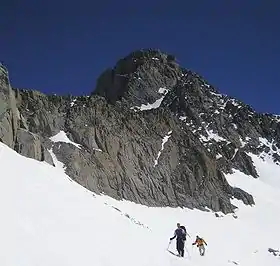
point(165, 134)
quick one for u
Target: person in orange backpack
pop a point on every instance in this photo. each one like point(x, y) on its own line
point(200, 244)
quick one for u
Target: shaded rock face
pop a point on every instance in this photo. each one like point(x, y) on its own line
point(138, 77)
point(13, 126)
point(152, 132)
point(8, 111)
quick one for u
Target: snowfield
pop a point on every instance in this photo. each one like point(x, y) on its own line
point(49, 220)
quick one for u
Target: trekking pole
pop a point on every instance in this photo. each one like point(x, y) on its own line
point(188, 252)
point(187, 248)
point(168, 244)
point(192, 248)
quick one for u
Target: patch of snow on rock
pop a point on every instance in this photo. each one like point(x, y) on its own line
point(235, 103)
point(56, 162)
point(73, 102)
point(268, 155)
point(164, 140)
point(154, 105)
point(62, 137)
point(276, 118)
point(183, 118)
point(243, 143)
point(149, 106)
point(235, 126)
point(235, 151)
point(216, 94)
point(218, 156)
point(163, 91)
point(212, 136)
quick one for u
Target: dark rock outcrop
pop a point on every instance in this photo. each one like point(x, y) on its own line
point(275, 252)
point(152, 132)
point(8, 110)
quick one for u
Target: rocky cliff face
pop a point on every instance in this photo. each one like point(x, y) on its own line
point(8, 111)
point(151, 132)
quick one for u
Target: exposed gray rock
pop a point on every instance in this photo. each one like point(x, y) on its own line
point(40, 113)
point(241, 195)
point(133, 74)
point(205, 134)
point(29, 144)
point(8, 111)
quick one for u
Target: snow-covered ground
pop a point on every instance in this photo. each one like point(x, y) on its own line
point(49, 220)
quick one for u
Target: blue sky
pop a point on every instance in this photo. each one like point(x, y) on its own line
point(62, 48)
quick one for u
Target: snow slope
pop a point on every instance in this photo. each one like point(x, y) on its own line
point(47, 219)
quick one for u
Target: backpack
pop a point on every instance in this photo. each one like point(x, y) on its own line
point(184, 232)
point(199, 241)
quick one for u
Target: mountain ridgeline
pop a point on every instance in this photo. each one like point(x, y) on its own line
point(151, 132)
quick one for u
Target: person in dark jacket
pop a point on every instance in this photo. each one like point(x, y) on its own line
point(180, 233)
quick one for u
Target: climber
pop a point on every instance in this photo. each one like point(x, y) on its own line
point(200, 244)
point(180, 233)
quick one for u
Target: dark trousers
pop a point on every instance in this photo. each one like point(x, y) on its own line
point(180, 245)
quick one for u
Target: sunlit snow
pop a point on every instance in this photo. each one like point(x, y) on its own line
point(164, 140)
point(154, 105)
point(218, 156)
point(235, 103)
point(150, 106)
point(183, 118)
point(235, 126)
point(73, 102)
point(48, 220)
point(56, 162)
point(243, 143)
point(211, 136)
point(272, 148)
point(62, 137)
point(163, 90)
point(216, 94)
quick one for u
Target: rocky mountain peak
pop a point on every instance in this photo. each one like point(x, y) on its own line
point(152, 132)
point(138, 77)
